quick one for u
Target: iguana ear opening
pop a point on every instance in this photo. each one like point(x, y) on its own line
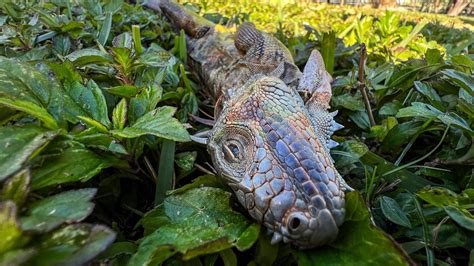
point(316, 81)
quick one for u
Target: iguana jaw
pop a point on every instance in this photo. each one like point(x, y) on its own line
point(266, 148)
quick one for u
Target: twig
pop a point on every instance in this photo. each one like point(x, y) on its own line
point(361, 83)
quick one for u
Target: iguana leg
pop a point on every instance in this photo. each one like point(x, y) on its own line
point(264, 54)
point(315, 84)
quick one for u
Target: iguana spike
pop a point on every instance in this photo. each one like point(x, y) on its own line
point(332, 144)
point(336, 126)
point(200, 140)
point(333, 114)
point(277, 237)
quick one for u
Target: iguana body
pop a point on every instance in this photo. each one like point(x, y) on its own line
point(270, 144)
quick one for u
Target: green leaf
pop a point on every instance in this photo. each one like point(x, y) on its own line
point(17, 257)
point(393, 212)
point(67, 207)
point(438, 196)
point(21, 83)
point(228, 257)
point(159, 122)
point(461, 79)
point(462, 217)
point(88, 56)
point(9, 228)
point(144, 102)
point(248, 237)
point(31, 109)
point(105, 29)
point(64, 168)
point(359, 242)
point(200, 181)
point(430, 93)
point(93, 124)
point(74, 244)
point(123, 91)
point(199, 221)
point(119, 248)
point(433, 56)
point(185, 160)
point(419, 109)
point(19, 144)
point(328, 48)
point(86, 102)
point(16, 188)
point(119, 115)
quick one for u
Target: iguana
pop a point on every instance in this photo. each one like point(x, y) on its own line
point(271, 137)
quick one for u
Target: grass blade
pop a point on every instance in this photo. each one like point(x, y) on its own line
point(165, 171)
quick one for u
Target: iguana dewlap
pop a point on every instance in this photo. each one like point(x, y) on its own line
point(268, 143)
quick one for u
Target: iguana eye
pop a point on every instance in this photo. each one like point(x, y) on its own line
point(231, 151)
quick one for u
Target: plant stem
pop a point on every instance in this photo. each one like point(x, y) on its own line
point(361, 83)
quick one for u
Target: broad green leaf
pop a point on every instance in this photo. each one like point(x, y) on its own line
point(123, 91)
point(19, 144)
point(91, 123)
point(348, 101)
point(74, 244)
point(462, 217)
point(328, 48)
point(21, 83)
point(461, 79)
point(419, 109)
point(359, 242)
point(16, 188)
point(31, 109)
point(204, 180)
point(185, 160)
point(105, 29)
point(119, 248)
point(64, 168)
point(86, 101)
point(67, 207)
point(393, 212)
point(9, 227)
point(433, 56)
point(144, 102)
point(119, 115)
point(248, 237)
point(88, 56)
point(199, 221)
point(123, 40)
point(430, 93)
point(438, 196)
point(159, 122)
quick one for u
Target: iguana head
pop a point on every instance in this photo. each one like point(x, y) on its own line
point(265, 145)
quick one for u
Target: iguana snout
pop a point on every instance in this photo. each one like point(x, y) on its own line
point(265, 146)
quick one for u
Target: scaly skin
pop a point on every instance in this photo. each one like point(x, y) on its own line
point(269, 144)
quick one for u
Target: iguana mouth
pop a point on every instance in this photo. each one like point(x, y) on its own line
point(268, 143)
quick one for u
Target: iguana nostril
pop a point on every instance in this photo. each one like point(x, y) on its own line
point(295, 223)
